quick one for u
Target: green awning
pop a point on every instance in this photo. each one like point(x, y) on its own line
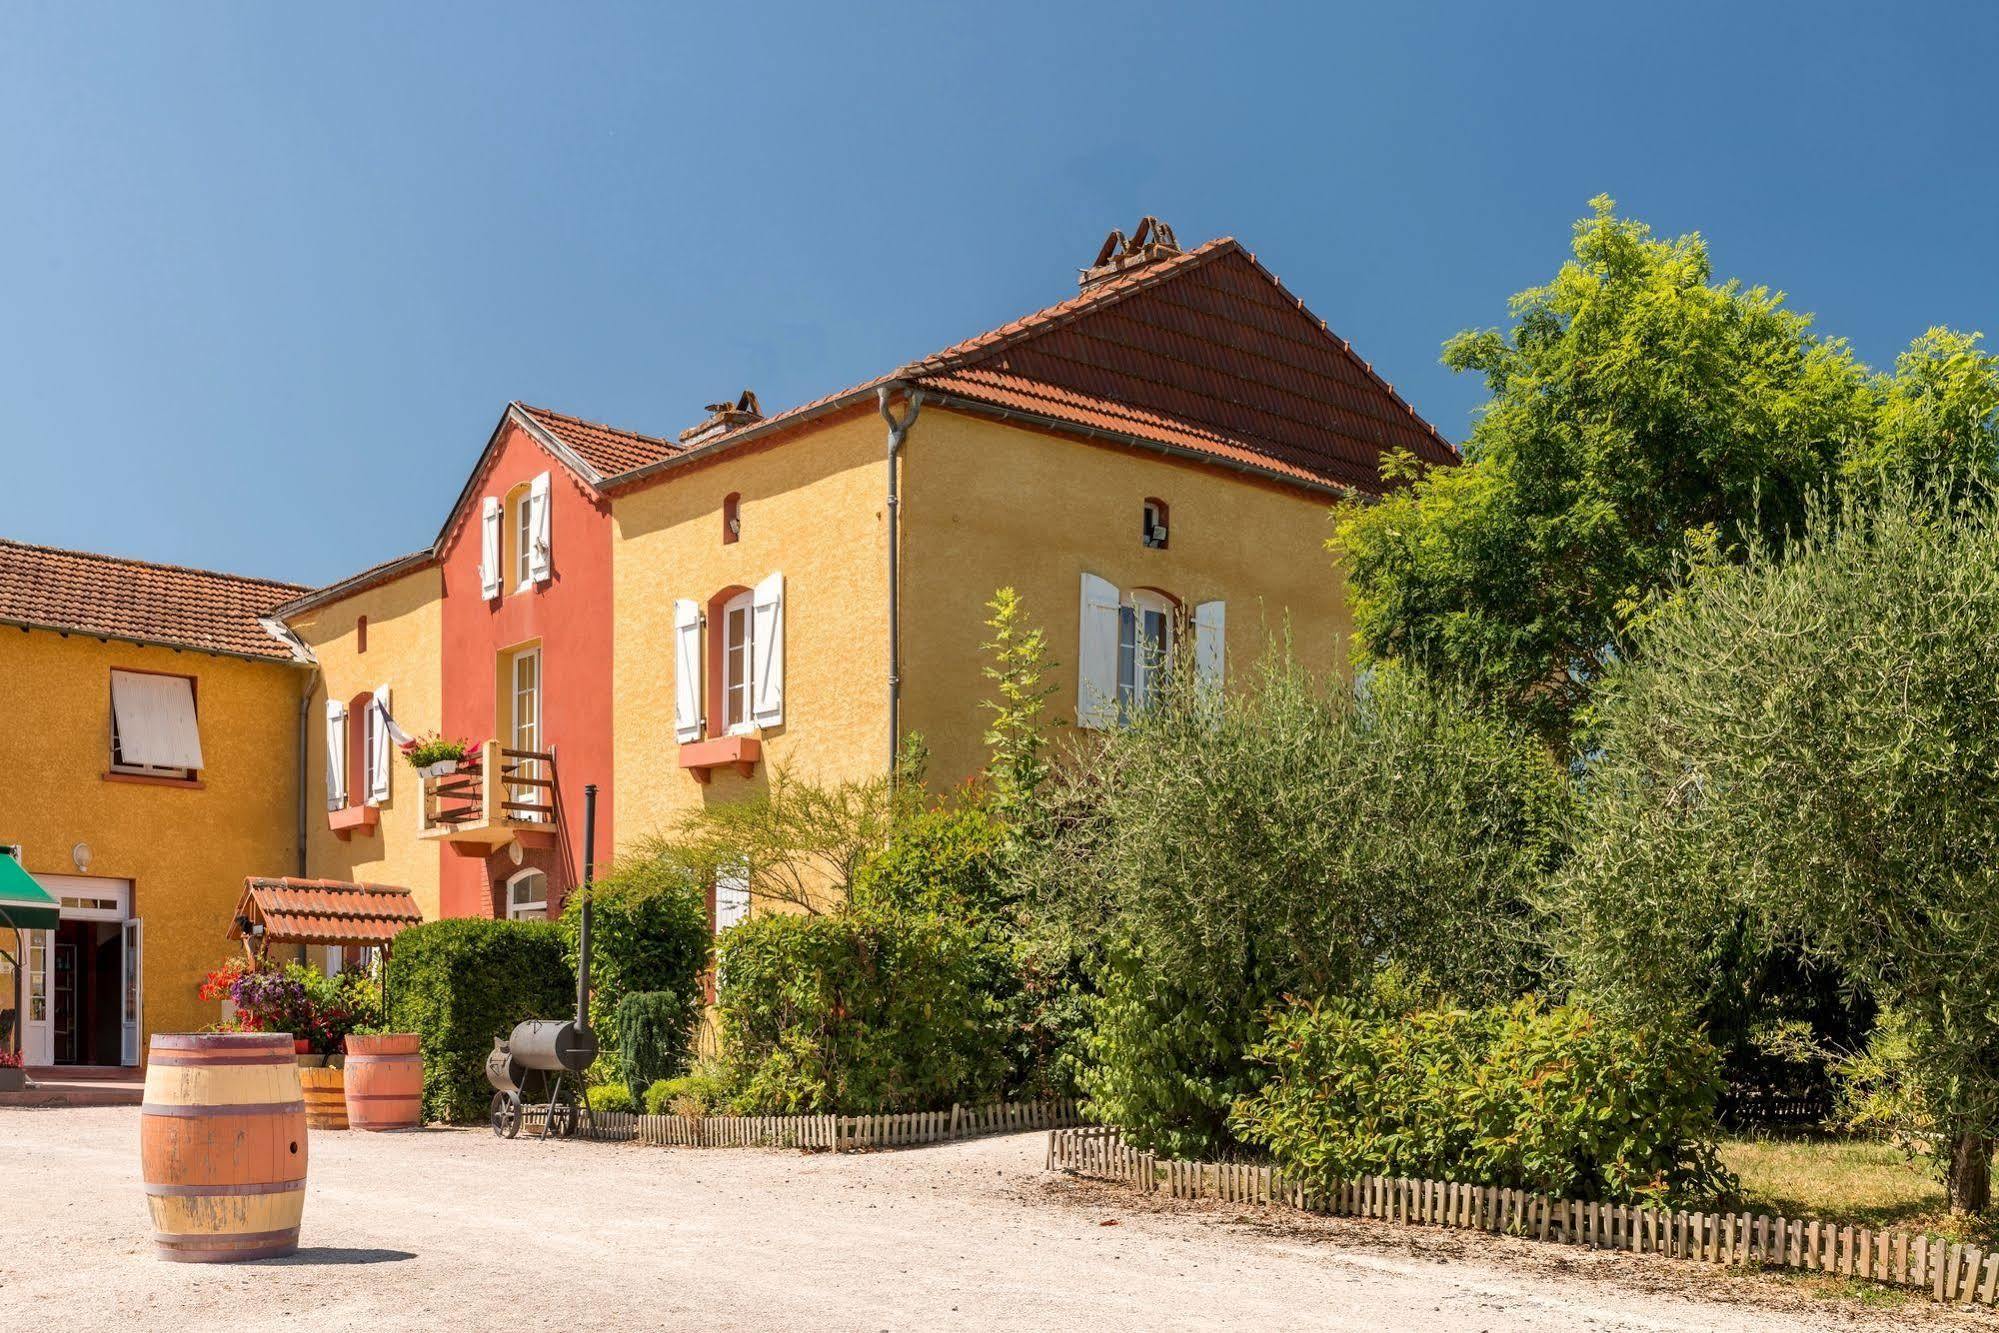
point(24, 904)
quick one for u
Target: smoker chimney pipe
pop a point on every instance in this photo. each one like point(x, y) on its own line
point(583, 925)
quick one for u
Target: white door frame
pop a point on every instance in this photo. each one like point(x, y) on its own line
point(83, 898)
point(132, 991)
point(38, 1042)
point(529, 768)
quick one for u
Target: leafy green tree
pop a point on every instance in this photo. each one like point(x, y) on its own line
point(1806, 748)
point(1937, 418)
point(1634, 400)
point(1291, 838)
point(649, 934)
point(1018, 668)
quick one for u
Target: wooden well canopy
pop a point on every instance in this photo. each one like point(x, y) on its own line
point(321, 911)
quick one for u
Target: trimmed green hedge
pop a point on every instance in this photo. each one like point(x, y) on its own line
point(859, 1011)
point(458, 984)
point(1523, 1096)
point(648, 933)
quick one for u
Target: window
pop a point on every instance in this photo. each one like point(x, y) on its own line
point(520, 528)
point(153, 730)
point(732, 518)
point(1153, 531)
point(527, 896)
point(525, 727)
point(38, 975)
point(738, 662)
point(1144, 650)
point(360, 634)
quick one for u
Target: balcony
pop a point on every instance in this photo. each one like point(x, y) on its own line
point(501, 797)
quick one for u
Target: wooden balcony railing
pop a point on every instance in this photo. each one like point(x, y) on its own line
point(491, 800)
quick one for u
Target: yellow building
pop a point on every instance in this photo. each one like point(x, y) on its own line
point(150, 752)
point(669, 618)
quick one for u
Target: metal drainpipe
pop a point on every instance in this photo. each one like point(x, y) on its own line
point(304, 714)
point(898, 431)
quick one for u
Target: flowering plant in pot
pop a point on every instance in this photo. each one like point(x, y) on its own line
point(12, 1077)
point(433, 756)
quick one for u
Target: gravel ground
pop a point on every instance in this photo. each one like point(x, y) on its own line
point(456, 1229)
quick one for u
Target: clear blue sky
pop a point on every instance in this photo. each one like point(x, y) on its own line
point(271, 271)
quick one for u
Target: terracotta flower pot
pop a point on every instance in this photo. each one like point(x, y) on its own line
point(384, 1081)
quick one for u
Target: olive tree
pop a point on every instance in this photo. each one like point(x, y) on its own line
point(1291, 838)
point(1806, 748)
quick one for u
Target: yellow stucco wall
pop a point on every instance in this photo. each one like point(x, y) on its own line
point(186, 850)
point(987, 504)
point(405, 652)
point(812, 507)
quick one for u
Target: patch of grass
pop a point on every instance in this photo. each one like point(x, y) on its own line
point(1861, 1182)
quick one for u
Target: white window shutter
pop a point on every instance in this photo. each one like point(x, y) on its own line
point(1210, 645)
point(767, 643)
point(379, 754)
point(538, 548)
point(1096, 654)
point(336, 755)
point(155, 716)
point(686, 670)
point(489, 547)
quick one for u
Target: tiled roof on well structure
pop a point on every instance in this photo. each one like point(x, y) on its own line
point(324, 911)
point(115, 598)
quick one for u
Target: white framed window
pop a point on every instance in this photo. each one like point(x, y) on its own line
point(520, 508)
point(525, 718)
point(153, 726)
point(527, 896)
point(738, 663)
point(1144, 649)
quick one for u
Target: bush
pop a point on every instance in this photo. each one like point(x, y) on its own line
point(942, 860)
point(611, 1098)
point(1551, 1100)
point(1216, 855)
point(648, 932)
point(655, 1031)
point(461, 983)
point(860, 1011)
point(701, 1093)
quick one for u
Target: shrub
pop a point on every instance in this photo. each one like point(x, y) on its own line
point(459, 984)
point(859, 1011)
point(942, 860)
point(703, 1092)
point(611, 1098)
point(655, 1030)
point(648, 932)
point(1218, 854)
point(1552, 1100)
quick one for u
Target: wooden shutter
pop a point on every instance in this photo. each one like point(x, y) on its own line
point(1210, 645)
point(686, 670)
point(336, 755)
point(767, 644)
point(379, 754)
point(1096, 654)
point(538, 548)
point(489, 547)
point(155, 716)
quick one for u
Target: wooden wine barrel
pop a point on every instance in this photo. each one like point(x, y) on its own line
point(325, 1097)
point(384, 1081)
point(222, 1146)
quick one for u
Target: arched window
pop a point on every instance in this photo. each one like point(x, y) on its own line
point(527, 896)
point(732, 517)
point(360, 634)
point(1154, 531)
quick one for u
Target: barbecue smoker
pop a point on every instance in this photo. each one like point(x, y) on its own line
point(551, 1054)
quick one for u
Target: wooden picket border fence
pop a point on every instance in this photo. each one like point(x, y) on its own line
point(1948, 1271)
point(831, 1133)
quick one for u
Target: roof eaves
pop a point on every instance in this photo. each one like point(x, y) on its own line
point(548, 440)
point(144, 641)
point(373, 576)
point(783, 421)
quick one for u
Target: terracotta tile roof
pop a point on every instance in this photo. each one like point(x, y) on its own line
point(606, 449)
point(324, 911)
point(115, 598)
point(1205, 352)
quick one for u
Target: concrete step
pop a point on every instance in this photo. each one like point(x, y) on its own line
point(79, 1085)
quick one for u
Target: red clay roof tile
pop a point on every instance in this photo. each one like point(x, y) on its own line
point(103, 595)
point(325, 911)
point(606, 449)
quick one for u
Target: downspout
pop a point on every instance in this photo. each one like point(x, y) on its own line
point(301, 654)
point(898, 431)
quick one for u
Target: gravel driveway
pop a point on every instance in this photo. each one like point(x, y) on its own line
point(455, 1229)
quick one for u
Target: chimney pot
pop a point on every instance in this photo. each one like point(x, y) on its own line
point(1150, 241)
